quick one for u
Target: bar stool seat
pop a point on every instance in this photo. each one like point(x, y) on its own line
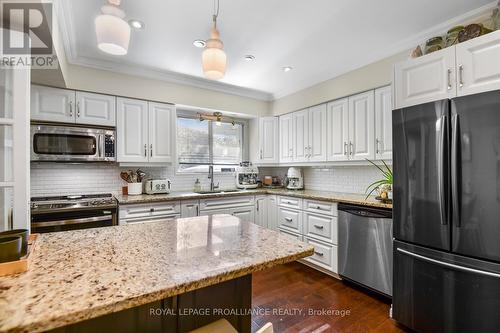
point(219, 326)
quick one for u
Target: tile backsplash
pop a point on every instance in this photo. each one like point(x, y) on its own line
point(59, 179)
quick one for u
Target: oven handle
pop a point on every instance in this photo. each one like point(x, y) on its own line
point(74, 221)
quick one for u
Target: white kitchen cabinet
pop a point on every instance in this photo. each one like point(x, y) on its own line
point(338, 130)
point(246, 214)
point(52, 104)
point(321, 227)
point(149, 212)
point(95, 109)
point(362, 126)
point(286, 138)
point(317, 144)
point(301, 136)
point(383, 123)
point(242, 207)
point(425, 79)
point(478, 65)
point(132, 130)
point(325, 255)
point(272, 212)
point(261, 211)
point(145, 131)
point(290, 219)
point(268, 151)
point(161, 129)
point(190, 208)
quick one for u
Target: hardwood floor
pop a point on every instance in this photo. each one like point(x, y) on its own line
point(285, 294)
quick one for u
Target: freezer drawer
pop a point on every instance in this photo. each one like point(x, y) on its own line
point(440, 292)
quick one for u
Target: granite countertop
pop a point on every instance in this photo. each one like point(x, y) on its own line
point(357, 199)
point(83, 274)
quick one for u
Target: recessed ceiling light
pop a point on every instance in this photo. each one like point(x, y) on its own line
point(136, 24)
point(287, 69)
point(199, 43)
point(249, 57)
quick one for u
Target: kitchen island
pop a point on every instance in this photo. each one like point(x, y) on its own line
point(143, 277)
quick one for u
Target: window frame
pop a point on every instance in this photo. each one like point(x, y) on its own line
point(193, 115)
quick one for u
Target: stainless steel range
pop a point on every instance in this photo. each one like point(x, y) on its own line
point(61, 213)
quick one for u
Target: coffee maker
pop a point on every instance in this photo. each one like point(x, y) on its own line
point(247, 176)
point(295, 179)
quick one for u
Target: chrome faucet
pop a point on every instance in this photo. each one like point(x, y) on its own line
point(213, 187)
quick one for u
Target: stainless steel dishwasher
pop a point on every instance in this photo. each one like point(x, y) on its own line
point(365, 246)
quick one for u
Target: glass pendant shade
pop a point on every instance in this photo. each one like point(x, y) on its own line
point(113, 32)
point(214, 58)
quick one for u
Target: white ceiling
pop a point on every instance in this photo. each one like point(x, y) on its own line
point(320, 39)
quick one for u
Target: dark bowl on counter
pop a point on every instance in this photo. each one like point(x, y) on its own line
point(10, 248)
point(23, 233)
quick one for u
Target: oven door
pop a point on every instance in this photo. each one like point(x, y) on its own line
point(60, 144)
point(73, 220)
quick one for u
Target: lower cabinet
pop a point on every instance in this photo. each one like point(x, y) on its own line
point(325, 255)
point(190, 208)
point(239, 206)
point(128, 214)
point(266, 211)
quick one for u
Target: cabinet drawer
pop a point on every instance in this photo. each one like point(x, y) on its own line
point(291, 234)
point(322, 207)
point(324, 255)
point(157, 209)
point(147, 219)
point(290, 202)
point(290, 219)
point(321, 227)
point(227, 202)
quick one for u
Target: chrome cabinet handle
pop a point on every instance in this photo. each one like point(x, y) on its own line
point(151, 150)
point(350, 148)
point(257, 205)
point(261, 154)
point(449, 78)
point(71, 109)
point(345, 148)
point(461, 75)
point(78, 109)
point(197, 210)
point(377, 141)
point(319, 253)
point(145, 150)
point(318, 226)
point(288, 219)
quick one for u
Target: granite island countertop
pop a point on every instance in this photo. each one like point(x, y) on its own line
point(83, 274)
point(357, 199)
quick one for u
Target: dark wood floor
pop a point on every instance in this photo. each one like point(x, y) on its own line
point(283, 295)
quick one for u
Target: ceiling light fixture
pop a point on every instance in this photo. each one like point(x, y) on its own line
point(113, 33)
point(136, 24)
point(199, 43)
point(214, 58)
point(249, 57)
point(287, 69)
point(217, 117)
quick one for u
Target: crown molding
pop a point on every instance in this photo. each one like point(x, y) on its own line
point(402, 46)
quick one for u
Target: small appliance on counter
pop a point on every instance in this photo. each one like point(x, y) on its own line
point(157, 186)
point(295, 179)
point(247, 176)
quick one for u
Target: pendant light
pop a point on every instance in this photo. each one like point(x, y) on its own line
point(214, 58)
point(113, 32)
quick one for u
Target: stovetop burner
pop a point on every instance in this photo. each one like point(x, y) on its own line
point(85, 201)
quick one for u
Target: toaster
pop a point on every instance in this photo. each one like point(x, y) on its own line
point(157, 186)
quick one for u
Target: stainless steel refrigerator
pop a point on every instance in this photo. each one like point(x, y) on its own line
point(447, 215)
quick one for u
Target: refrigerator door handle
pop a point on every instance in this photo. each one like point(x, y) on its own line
point(455, 170)
point(442, 158)
point(448, 265)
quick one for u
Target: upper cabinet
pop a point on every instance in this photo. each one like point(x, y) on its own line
point(383, 123)
point(72, 107)
point(361, 126)
point(317, 134)
point(286, 138)
point(145, 131)
point(268, 150)
point(300, 136)
point(338, 130)
point(425, 79)
point(468, 68)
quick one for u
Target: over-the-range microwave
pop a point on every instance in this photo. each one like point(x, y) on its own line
point(56, 143)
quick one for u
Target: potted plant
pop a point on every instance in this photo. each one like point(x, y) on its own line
point(384, 185)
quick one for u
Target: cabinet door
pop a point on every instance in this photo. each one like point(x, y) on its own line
point(338, 130)
point(383, 124)
point(425, 79)
point(268, 140)
point(161, 132)
point(272, 212)
point(246, 214)
point(301, 136)
point(317, 133)
point(52, 104)
point(286, 138)
point(261, 211)
point(95, 109)
point(362, 126)
point(478, 68)
point(132, 130)
point(190, 208)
